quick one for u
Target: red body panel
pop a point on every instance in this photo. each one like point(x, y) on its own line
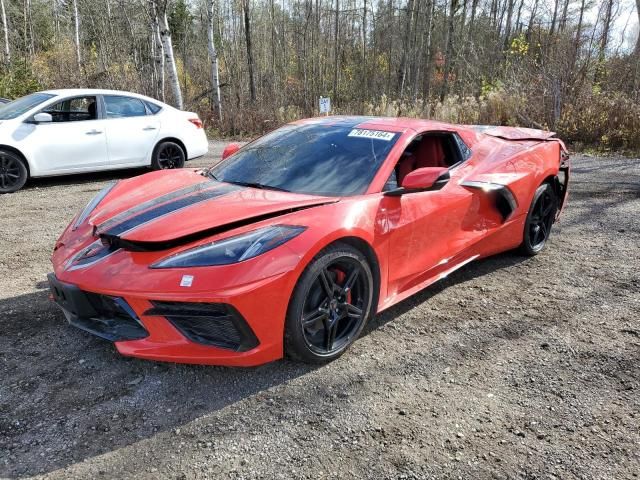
point(417, 238)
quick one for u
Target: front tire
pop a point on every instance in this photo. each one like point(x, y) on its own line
point(13, 172)
point(167, 155)
point(542, 214)
point(330, 306)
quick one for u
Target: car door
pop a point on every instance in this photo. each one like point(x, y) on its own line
point(131, 130)
point(73, 141)
point(430, 231)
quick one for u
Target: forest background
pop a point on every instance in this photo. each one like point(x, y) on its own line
point(247, 66)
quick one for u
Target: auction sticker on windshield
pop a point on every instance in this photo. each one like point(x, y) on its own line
point(373, 134)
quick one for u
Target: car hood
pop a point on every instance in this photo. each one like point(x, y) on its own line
point(175, 207)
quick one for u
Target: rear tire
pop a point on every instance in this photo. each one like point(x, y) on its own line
point(13, 172)
point(330, 306)
point(542, 214)
point(167, 155)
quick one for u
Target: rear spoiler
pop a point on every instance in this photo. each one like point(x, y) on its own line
point(520, 133)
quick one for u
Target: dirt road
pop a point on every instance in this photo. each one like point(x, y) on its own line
point(511, 368)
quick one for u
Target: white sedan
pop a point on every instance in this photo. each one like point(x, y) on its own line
point(60, 132)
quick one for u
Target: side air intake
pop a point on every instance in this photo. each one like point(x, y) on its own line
point(215, 324)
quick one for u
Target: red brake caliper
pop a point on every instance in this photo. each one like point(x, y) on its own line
point(340, 278)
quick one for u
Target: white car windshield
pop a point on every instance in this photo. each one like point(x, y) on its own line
point(22, 105)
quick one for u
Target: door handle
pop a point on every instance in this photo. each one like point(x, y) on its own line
point(149, 128)
point(94, 132)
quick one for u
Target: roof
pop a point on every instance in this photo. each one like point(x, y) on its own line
point(390, 123)
point(94, 91)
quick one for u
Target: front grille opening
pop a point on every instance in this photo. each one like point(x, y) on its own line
point(113, 319)
point(215, 324)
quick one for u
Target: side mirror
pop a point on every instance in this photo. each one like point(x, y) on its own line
point(230, 150)
point(42, 118)
point(421, 180)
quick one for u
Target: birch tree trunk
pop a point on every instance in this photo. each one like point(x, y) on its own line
point(28, 19)
point(213, 57)
point(5, 29)
point(76, 21)
point(169, 57)
point(158, 57)
point(336, 52)
point(56, 20)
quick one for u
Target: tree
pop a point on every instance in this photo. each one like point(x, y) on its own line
point(541, 61)
point(449, 48)
point(336, 50)
point(213, 56)
point(604, 37)
point(158, 56)
point(637, 49)
point(76, 23)
point(167, 46)
point(247, 35)
point(5, 29)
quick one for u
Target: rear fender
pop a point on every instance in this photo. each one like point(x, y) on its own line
point(562, 180)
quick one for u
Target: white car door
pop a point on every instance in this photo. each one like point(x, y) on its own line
point(74, 141)
point(131, 130)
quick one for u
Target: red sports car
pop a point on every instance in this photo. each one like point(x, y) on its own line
point(292, 242)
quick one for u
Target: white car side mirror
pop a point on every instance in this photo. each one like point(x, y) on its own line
point(42, 117)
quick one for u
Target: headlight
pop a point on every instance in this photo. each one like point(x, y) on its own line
point(92, 205)
point(233, 249)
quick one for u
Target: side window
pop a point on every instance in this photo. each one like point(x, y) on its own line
point(464, 150)
point(153, 108)
point(123, 107)
point(391, 183)
point(437, 149)
point(73, 109)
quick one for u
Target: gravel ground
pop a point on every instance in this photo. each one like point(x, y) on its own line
point(510, 368)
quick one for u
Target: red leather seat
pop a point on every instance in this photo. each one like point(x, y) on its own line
point(405, 165)
point(430, 153)
point(427, 153)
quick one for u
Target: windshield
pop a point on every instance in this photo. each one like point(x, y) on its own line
point(319, 159)
point(22, 105)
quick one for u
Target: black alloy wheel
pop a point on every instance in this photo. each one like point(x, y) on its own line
point(13, 172)
point(168, 155)
point(540, 219)
point(330, 306)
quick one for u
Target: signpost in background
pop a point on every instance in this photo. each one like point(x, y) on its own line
point(325, 105)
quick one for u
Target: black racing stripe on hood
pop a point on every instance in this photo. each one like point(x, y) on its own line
point(167, 197)
point(147, 246)
point(168, 208)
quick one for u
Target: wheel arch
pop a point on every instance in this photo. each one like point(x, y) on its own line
point(354, 242)
point(554, 181)
point(19, 154)
point(367, 250)
point(174, 140)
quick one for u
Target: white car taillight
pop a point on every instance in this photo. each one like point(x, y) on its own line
point(197, 122)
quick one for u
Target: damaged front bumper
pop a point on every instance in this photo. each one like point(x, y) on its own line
point(105, 316)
